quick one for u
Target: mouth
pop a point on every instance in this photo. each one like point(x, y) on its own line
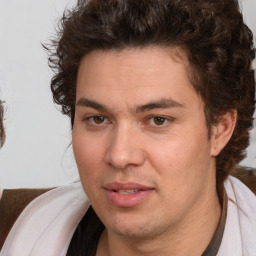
point(127, 194)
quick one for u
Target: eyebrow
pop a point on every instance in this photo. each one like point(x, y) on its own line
point(161, 104)
point(91, 104)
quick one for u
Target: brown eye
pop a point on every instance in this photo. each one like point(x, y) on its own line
point(98, 119)
point(158, 120)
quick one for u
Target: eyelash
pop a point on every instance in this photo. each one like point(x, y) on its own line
point(149, 119)
point(90, 118)
point(153, 118)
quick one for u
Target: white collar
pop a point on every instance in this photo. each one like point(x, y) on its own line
point(239, 238)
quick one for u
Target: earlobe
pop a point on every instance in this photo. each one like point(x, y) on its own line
point(222, 131)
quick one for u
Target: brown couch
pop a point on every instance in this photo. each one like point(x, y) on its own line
point(15, 200)
point(12, 203)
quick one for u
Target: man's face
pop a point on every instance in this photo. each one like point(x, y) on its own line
point(141, 142)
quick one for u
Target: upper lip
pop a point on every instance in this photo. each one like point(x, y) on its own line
point(126, 186)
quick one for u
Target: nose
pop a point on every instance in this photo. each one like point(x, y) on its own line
point(125, 149)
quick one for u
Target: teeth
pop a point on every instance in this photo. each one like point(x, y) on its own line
point(127, 192)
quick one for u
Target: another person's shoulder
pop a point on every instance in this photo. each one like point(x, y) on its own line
point(47, 224)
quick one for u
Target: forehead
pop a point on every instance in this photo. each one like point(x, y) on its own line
point(142, 58)
point(135, 75)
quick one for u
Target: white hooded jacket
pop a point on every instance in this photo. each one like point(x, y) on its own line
point(47, 224)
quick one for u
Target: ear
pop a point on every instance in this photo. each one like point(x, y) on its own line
point(222, 131)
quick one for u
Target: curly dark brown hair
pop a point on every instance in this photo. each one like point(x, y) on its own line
point(212, 32)
point(2, 131)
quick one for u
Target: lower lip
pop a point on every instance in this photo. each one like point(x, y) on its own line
point(128, 200)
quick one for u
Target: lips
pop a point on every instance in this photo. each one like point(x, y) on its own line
point(127, 194)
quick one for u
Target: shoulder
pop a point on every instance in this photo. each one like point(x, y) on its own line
point(242, 200)
point(240, 194)
point(47, 224)
point(240, 229)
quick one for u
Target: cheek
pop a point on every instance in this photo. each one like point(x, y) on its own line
point(182, 159)
point(175, 154)
point(183, 169)
point(89, 156)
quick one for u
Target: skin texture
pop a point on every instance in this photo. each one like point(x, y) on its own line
point(172, 156)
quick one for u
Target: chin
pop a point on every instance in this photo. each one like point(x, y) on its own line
point(138, 229)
